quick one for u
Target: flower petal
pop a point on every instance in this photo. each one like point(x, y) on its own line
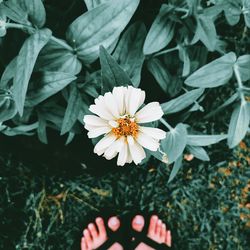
point(149, 113)
point(104, 143)
point(94, 120)
point(111, 104)
point(113, 149)
point(123, 156)
point(136, 150)
point(156, 133)
point(134, 99)
point(93, 133)
point(147, 142)
point(119, 95)
point(100, 109)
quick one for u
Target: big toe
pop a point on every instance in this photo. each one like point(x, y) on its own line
point(114, 223)
point(138, 223)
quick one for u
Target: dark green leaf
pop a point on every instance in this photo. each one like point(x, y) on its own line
point(100, 26)
point(214, 74)
point(181, 102)
point(160, 33)
point(73, 109)
point(112, 74)
point(47, 85)
point(25, 63)
point(128, 52)
point(239, 124)
point(175, 142)
point(204, 140)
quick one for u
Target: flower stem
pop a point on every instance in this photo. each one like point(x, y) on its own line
point(166, 124)
point(166, 51)
point(62, 43)
point(30, 29)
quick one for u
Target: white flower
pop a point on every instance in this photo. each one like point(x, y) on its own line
point(118, 119)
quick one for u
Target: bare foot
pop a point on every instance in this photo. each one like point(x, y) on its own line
point(157, 231)
point(95, 235)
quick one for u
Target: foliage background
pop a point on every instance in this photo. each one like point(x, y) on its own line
point(47, 190)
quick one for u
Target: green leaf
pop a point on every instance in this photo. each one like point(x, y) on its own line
point(25, 63)
point(243, 64)
point(206, 32)
point(246, 12)
point(232, 10)
point(73, 109)
point(94, 3)
point(161, 32)
point(35, 10)
point(176, 168)
point(99, 26)
point(160, 73)
point(7, 108)
point(184, 56)
point(238, 124)
point(214, 74)
point(41, 129)
point(181, 102)
point(198, 152)
point(112, 74)
point(175, 142)
point(8, 74)
point(13, 10)
point(21, 130)
point(47, 85)
point(128, 52)
point(204, 140)
point(54, 57)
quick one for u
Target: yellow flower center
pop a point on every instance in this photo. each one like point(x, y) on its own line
point(126, 127)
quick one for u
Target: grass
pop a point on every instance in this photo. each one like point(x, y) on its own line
point(207, 206)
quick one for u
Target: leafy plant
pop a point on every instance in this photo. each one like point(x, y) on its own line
point(50, 81)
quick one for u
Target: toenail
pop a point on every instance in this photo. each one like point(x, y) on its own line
point(98, 219)
point(91, 226)
point(159, 222)
point(113, 221)
point(138, 220)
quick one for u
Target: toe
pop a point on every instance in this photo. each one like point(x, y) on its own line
point(138, 223)
point(92, 230)
point(87, 237)
point(152, 224)
point(158, 228)
point(113, 223)
point(168, 238)
point(83, 244)
point(163, 233)
point(101, 227)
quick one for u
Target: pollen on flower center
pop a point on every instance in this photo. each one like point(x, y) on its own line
point(125, 127)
